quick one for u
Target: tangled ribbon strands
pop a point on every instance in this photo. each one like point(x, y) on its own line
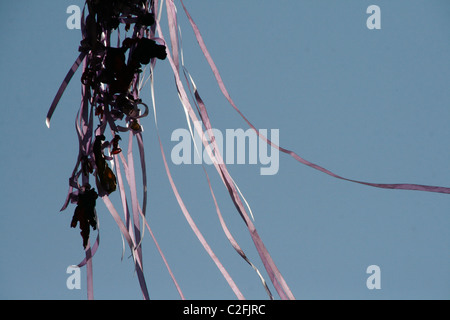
point(111, 106)
point(110, 98)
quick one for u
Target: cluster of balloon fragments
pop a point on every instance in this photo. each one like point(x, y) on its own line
point(110, 81)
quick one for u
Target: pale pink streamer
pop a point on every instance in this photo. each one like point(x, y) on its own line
point(233, 242)
point(197, 232)
point(222, 87)
point(141, 211)
point(274, 274)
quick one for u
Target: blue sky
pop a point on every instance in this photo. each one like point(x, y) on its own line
point(367, 104)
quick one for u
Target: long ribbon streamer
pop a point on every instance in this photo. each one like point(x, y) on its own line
point(404, 186)
point(274, 274)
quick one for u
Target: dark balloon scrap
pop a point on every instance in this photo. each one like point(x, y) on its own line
point(147, 49)
point(115, 143)
point(146, 19)
point(105, 176)
point(85, 213)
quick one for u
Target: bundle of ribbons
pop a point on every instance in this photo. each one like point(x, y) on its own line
point(112, 78)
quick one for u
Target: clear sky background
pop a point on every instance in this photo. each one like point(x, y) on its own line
point(371, 105)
